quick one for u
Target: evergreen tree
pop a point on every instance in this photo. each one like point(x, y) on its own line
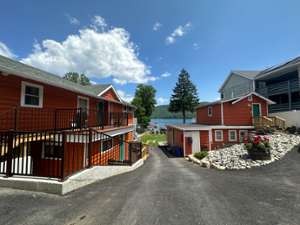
point(77, 78)
point(144, 100)
point(184, 98)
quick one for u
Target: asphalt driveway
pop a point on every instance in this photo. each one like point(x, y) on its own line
point(169, 191)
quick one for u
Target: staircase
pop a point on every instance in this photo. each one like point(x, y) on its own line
point(275, 122)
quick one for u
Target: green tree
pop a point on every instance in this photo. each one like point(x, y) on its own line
point(144, 100)
point(184, 98)
point(77, 78)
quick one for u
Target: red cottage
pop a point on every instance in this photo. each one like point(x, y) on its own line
point(220, 123)
point(51, 127)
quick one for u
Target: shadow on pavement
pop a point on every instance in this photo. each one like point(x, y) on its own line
point(171, 152)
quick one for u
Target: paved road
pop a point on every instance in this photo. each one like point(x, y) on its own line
point(169, 191)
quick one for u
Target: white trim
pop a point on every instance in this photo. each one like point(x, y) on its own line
point(114, 90)
point(88, 102)
point(259, 108)
point(209, 139)
point(211, 111)
point(222, 113)
point(222, 136)
point(41, 94)
point(256, 94)
point(195, 127)
point(235, 135)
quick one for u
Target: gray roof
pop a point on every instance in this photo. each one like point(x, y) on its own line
point(17, 68)
point(250, 74)
point(98, 88)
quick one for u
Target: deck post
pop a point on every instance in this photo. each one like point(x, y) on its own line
point(9, 155)
point(290, 95)
point(63, 156)
point(90, 148)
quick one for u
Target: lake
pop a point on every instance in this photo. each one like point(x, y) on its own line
point(163, 122)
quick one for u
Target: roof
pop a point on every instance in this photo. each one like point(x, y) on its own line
point(249, 74)
point(236, 100)
point(98, 88)
point(289, 63)
point(20, 69)
point(197, 127)
point(256, 94)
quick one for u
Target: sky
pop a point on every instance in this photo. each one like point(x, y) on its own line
point(137, 41)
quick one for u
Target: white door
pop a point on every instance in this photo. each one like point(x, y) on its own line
point(195, 135)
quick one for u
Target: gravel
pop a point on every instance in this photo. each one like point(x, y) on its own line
point(236, 157)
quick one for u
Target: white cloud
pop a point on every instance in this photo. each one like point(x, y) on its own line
point(5, 51)
point(98, 22)
point(166, 74)
point(178, 32)
point(126, 97)
point(98, 54)
point(196, 46)
point(157, 26)
point(162, 101)
point(72, 20)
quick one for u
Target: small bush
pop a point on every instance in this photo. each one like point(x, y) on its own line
point(201, 155)
point(248, 146)
point(292, 129)
point(261, 146)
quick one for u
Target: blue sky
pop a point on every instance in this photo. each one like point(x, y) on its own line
point(115, 41)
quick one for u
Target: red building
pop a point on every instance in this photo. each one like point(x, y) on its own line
point(52, 127)
point(219, 123)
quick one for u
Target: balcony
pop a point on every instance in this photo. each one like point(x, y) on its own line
point(29, 119)
point(280, 88)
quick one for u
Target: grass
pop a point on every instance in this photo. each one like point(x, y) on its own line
point(153, 139)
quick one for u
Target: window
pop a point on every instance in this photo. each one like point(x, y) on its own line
point(250, 98)
point(222, 95)
point(106, 145)
point(243, 134)
point(52, 150)
point(209, 111)
point(31, 95)
point(232, 135)
point(218, 135)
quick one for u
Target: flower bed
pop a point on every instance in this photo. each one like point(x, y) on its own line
point(259, 148)
point(237, 157)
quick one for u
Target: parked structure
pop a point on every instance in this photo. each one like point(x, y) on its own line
point(51, 127)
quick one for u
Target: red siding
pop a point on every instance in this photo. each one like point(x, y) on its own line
point(204, 139)
point(203, 118)
point(110, 94)
point(241, 112)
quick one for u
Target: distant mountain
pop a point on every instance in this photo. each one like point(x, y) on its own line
point(161, 111)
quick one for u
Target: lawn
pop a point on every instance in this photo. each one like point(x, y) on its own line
point(153, 139)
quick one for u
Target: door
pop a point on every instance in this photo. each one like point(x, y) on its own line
point(83, 106)
point(256, 111)
point(122, 148)
point(100, 113)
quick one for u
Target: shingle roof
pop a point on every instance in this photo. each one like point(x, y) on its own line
point(98, 88)
point(250, 74)
point(17, 68)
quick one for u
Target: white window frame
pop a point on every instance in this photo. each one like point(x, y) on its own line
point(250, 98)
point(240, 131)
point(235, 135)
point(41, 94)
point(222, 137)
point(210, 113)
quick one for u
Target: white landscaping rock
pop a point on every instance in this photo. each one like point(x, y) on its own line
point(235, 156)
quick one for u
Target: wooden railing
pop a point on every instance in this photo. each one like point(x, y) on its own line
point(264, 122)
point(278, 122)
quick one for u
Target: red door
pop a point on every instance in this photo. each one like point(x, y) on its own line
point(188, 145)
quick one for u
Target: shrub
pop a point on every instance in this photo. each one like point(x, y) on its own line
point(259, 148)
point(201, 155)
point(248, 146)
point(292, 129)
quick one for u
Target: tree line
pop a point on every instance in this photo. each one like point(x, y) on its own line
point(183, 100)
